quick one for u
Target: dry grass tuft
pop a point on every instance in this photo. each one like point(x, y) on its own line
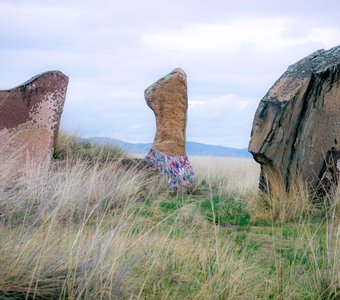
point(285, 206)
point(73, 148)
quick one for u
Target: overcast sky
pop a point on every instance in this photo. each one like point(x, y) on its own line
point(232, 52)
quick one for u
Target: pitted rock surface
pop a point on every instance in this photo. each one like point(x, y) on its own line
point(298, 120)
point(169, 101)
point(29, 120)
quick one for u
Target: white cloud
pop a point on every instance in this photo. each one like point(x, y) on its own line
point(218, 106)
point(259, 34)
point(224, 120)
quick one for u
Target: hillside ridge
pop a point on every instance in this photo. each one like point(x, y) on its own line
point(193, 148)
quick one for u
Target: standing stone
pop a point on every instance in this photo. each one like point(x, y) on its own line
point(29, 121)
point(298, 122)
point(169, 101)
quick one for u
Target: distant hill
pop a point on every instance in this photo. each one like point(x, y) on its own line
point(191, 147)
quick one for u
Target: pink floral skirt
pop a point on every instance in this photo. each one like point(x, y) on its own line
point(178, 169)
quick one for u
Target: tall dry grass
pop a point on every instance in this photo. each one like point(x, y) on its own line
point(228, 175)
point(285, 206)
point(74, 232)
point(81, 230)
point(71, 147)
point(61, 229)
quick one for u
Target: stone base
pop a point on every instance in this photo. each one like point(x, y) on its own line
point(178, 169)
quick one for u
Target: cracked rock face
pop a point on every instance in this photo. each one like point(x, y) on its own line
point(29, 120)
point(298, 121)
point(169, 101)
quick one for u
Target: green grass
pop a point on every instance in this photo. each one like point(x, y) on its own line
point(297, 249)
point(225, 212)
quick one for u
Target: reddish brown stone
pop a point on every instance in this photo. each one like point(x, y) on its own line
point(29, 120)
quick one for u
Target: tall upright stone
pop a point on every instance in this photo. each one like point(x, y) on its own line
point(297, 123)
point(169, 101)
point(29, 121)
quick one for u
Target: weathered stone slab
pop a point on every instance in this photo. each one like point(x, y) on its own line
point(29, 120)
point(298, 121)
point(169, 101)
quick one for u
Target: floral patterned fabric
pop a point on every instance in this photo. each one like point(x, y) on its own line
point(178, 168)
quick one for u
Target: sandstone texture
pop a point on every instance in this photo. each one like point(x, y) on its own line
point(297, 123)
point(29, 120)
point(169, 101)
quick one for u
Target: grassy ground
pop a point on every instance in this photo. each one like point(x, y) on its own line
point(89, 230)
